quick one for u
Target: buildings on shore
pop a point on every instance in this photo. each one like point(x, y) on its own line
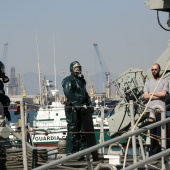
point(35, 99)
point(16, 91)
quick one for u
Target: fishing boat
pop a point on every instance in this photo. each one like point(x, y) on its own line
point(49, 125)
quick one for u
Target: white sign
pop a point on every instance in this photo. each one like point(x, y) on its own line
point(45, 138)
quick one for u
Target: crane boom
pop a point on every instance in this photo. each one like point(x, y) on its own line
point(101, 62)
point(104, 71)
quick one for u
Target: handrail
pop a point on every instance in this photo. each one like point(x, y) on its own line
point(148, 160)
point(117, 139)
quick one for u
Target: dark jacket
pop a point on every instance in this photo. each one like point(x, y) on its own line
point(75, 90)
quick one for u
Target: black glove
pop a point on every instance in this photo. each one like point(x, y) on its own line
point(91, 109)
point(82, 109)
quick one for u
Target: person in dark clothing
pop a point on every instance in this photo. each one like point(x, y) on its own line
point(77, 105)
point(3, 98)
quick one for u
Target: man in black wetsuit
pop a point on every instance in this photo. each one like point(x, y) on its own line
point(78, 112)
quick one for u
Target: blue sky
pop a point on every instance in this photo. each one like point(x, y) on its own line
point(126, 32)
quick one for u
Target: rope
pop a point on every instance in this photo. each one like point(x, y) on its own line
point(14, 158)
point(124, 163)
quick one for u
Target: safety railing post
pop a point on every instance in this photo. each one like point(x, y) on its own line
point(142, 149)
point(24, 150)
point(163, 138)
point(101, 150)
point(89, 161)
point(163, 133)
point(132, 126)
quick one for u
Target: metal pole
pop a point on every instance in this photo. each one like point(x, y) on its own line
point(142, 149)
point(133, 137)
point(163, 131)
point(102, 130)
point(39, 74)
point(163, 137)
point(89, 161)
point(25, 117)
point(107, 143)
point(24, 149)
point(25, 114)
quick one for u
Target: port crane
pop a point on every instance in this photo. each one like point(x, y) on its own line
point(104, 69)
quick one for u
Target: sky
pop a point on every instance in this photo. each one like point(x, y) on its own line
point(127, 34)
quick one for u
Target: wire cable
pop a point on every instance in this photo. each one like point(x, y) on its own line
point(160, 23)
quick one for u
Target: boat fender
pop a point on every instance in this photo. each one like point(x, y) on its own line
point(104, 166)
point(4, 132)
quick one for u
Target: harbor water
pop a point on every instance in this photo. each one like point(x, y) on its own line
point(14, 117)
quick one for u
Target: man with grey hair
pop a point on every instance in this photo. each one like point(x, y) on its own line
point(157, 99)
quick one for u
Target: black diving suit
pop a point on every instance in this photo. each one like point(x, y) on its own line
point(78, 112)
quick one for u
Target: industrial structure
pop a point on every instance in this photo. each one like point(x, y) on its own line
point(21, 87)
point(91, 88)
point(12, 86)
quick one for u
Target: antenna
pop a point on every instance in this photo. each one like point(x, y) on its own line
point(38, 67)
point(4, 56)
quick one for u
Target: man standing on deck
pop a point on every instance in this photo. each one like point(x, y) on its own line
point(157, 99)
point(78, 112)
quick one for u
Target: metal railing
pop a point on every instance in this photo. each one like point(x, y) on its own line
point(88, 151)
point(111, 141)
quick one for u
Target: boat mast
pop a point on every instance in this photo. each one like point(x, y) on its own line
point(38, 68)
point(55, 91)
point(54, 63)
